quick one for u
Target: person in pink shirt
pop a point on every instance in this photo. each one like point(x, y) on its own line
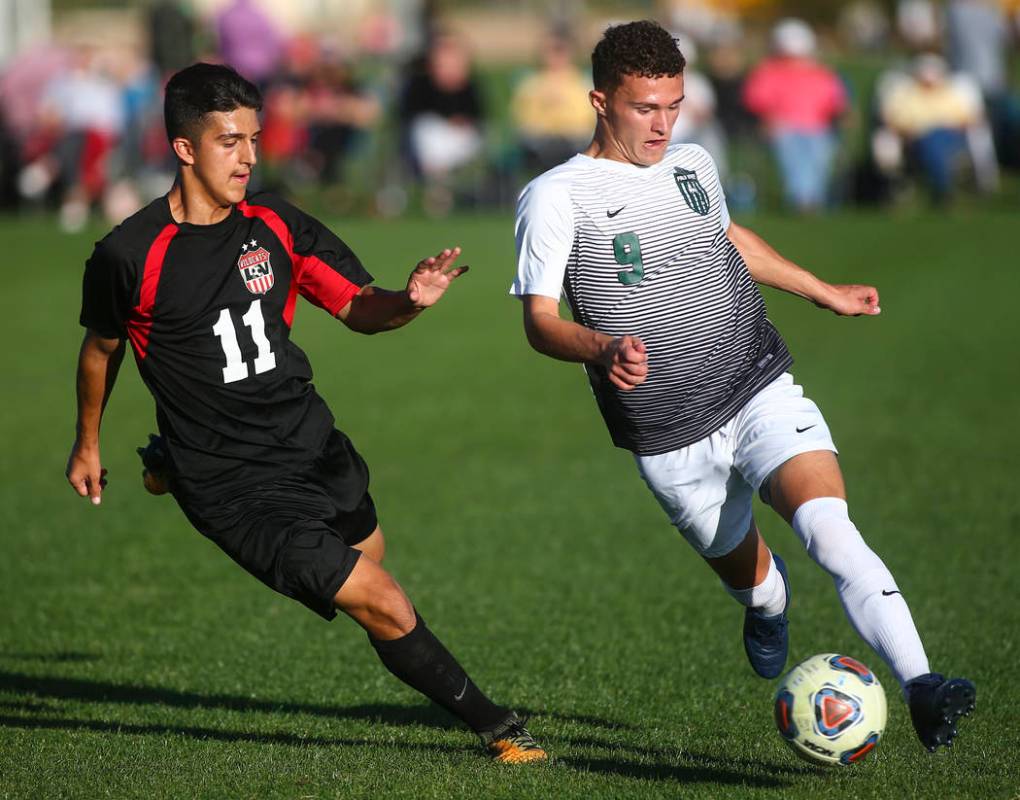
point(250, 40)
point(798, 100)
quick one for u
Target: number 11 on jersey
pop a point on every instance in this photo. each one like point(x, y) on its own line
point(237, 368)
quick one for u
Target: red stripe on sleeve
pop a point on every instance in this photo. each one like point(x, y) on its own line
point(140, 324)
point(315, 279)
point(324, 286)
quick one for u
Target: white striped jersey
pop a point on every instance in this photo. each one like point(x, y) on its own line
point(643, 251)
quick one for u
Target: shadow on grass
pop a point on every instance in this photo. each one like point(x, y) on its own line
point(95, 691)
point(92, 691)
point(35, 691)
point(680, 773)
point(51, 658)
point(704, 759)
point(214, 734)
point(577, 719)
point(703, 770)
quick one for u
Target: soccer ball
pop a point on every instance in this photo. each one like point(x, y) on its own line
point(830, 709)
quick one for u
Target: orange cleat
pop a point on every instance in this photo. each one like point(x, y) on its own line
point(510, 743)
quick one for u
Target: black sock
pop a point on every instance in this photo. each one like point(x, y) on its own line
point(420, 660)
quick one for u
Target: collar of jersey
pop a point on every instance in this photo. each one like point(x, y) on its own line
point(231, 217)
point(620, 167)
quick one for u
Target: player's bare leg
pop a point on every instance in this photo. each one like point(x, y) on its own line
point(757, 579)
point(409, 650)
point(373, 545)
point(809, 493)
point(747, 564)
point(805, 477)
point(375, 601)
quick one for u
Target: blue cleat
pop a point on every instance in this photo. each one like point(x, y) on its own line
point(766, 639)
point(936, 705)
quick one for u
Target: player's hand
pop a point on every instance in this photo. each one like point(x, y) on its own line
point(85, 474)
point(851, 300)
point(626, 362)
point(432, 277)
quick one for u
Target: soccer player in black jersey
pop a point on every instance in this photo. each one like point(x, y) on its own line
point(203, 282)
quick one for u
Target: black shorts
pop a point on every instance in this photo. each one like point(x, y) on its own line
point(295, 534)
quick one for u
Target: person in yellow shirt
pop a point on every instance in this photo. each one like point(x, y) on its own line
point(932, 112)
point(550, 108)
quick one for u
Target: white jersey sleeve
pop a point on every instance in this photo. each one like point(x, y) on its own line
point(544, 234)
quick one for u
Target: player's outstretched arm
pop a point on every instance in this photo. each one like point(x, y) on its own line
point(624, 357)
point(98, 363)
point(374, 310)
point(770, 268)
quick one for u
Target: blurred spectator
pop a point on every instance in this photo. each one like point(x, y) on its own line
point(142, 167)
point(864, 25)
point(314, 112)
point(82, 118)
point(727, 72)
point(249, 40)
point(705, 20)
point(918, 24)
point(798, 100)
point(441, 110)
point(9, 165)
point(22, 86)
point(978, 38)
point(697, 123)
point(171, 36)
point(933, 114)
point(338, 112)
point(284, 136)
point(551, 109)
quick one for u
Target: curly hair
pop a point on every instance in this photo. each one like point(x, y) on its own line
point(642, 48)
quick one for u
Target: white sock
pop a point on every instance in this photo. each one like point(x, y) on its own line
point(769, 596)
point(870, 597)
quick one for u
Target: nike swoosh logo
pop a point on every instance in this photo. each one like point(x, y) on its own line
point(809, 427)
point(459, 697)
point(612, 214)
point(886, 593)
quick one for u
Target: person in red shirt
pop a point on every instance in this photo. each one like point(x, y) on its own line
point(798, 100)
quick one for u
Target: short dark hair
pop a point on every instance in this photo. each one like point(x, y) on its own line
point(643, 48)
point(201, 89)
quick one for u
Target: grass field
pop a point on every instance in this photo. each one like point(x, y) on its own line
point(138, 661)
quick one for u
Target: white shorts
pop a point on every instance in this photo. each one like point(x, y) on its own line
point(706, 488)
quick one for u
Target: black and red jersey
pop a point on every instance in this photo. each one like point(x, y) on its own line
point(208, 311)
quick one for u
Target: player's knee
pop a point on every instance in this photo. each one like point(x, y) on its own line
point(399, 614)
point(832, 539)
point(375, 600)
point(390, 614)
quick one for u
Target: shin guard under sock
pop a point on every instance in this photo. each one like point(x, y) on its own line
point(421, 661)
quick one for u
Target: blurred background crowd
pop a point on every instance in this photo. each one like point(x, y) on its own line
point(391, 106)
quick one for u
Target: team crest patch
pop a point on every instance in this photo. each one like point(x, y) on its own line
point(255, 268)
point(693, 192)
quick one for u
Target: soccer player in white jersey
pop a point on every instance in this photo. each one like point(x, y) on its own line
point(690, 375)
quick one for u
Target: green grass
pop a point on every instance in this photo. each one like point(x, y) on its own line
point(138, 661)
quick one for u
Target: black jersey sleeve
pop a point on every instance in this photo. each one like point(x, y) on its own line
point(330, 273)
point(107, 292)
point(327, 271)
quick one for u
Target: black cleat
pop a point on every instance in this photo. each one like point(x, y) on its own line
point(936, 705)
point(766, 639)
point(510, 743)
point(156, 465)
